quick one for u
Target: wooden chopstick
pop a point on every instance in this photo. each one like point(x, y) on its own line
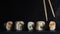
point(45, 10)
point(51, 8)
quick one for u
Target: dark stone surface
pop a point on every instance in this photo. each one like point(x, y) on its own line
point(27, 10)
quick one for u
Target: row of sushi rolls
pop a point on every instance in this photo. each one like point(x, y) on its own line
point(30, 25)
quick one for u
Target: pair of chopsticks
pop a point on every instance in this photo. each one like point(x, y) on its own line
point(46, 9)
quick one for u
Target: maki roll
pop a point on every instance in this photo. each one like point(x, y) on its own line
point(30, 26)
point(19, 25)
point(52, 25)
point(40, 25)
point(9, 25)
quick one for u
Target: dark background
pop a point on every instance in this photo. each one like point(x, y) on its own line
point(27, 10)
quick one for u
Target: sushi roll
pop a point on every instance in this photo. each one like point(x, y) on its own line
point(30, 26)
point(9, 25)
point(19, 25)
point(40, 25)
point(52, 25)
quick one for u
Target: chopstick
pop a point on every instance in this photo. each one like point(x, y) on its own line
point(51, 8)
point(45, 10)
